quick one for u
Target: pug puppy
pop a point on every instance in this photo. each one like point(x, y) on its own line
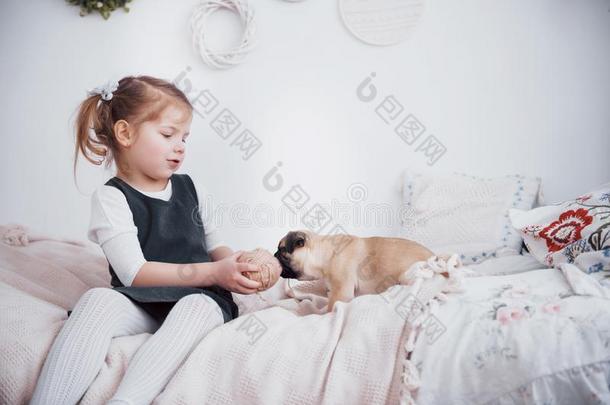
point(348, 264)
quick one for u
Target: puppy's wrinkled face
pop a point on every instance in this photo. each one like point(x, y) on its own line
point(292, 252)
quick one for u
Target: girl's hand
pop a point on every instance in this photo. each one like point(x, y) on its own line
point(228, 275)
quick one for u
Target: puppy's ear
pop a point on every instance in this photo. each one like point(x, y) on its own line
point(295, 239)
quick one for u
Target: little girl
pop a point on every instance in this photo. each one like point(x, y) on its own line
point(171, 276)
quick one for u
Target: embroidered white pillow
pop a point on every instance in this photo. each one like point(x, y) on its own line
point(560, 232)
point(457, 213)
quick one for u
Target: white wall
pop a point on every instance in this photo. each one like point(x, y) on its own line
point(507, 86)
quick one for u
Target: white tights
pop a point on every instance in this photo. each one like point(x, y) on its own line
point(79, 350)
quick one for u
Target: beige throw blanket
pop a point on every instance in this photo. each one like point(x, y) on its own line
point(283, 348)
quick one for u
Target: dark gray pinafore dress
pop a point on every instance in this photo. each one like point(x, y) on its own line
point(170, 232)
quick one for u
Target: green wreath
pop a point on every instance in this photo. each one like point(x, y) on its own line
point(104, 7)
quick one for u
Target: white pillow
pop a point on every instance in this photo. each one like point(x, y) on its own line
point(560, 232)
point(457, 213)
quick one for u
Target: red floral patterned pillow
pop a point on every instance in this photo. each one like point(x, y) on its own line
point(559, 233)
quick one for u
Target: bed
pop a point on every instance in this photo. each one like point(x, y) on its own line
point(522, 338)
point(518, 333)
point(526, 327)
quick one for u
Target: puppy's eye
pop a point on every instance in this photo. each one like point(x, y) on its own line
point(300, 243)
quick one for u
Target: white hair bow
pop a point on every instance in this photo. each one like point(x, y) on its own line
point(105, 90)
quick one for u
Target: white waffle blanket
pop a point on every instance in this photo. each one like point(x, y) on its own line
point(283, 348)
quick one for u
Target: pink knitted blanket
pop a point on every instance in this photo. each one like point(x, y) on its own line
point(283, 348)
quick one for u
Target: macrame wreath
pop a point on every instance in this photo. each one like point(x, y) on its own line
point(222, 59)
point(270, 268)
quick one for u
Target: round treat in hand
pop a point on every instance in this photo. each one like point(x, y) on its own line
point(270, 268)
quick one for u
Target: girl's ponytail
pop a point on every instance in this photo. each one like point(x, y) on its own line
point(94, 132)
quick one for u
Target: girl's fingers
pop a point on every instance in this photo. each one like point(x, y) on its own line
point(247, 290)
point(242, 289)
point(245, 282)
point(247, 267)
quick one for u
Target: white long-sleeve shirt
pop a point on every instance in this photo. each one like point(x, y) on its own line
point(112, 227)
